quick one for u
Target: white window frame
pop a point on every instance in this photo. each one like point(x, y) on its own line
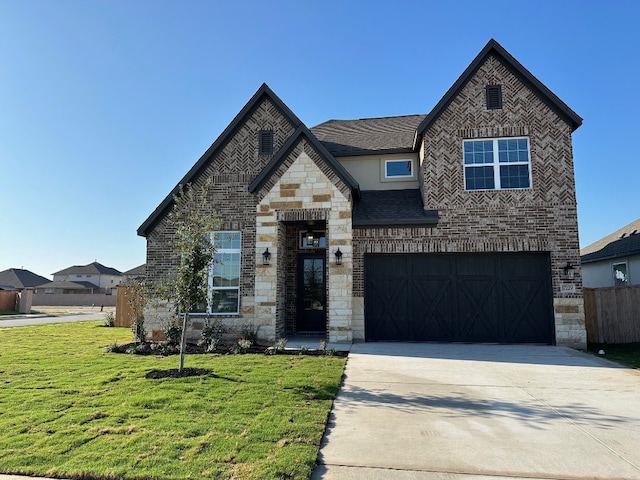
point(411, 176)
point(616, 280)
point(496, 164)
point(212, 288)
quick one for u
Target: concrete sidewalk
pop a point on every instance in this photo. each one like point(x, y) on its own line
point(432, 411)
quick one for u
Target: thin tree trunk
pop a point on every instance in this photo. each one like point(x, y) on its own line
point(183, 341)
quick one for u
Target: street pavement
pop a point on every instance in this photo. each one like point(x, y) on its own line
point(435, 411)
point(41, 319)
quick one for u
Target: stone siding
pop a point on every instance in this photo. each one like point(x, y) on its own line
point(302, 191)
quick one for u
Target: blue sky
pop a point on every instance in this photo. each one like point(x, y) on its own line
point(106, 104)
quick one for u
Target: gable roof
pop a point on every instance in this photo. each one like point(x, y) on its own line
point(494, 48)
point(263, 92)
point(94, 268)
point(19, 278)
point(369, 136)
point(621, 243)
point(300, 133)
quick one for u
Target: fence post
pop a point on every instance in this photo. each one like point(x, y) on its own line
point(26, 300)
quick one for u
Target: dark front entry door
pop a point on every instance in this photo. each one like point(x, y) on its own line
point(312, 297)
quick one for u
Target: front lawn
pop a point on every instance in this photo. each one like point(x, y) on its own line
point(70, 409)
point(624, 353)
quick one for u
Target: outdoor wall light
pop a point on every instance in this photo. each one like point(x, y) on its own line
point(310, 238)
point(338, 255)
point(568, 271)
point(266, 257)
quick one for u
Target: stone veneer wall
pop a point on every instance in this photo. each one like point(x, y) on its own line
point(543, 218)
point(303, 191)
point(231, 170)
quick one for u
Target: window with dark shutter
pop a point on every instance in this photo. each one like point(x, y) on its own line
point(494, 97)
point(265, 142)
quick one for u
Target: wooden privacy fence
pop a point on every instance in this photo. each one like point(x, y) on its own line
point(612, 315)
point(8, 301)
point(129, 299)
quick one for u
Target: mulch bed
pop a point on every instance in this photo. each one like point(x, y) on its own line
point(175, 373)
point(167, 349)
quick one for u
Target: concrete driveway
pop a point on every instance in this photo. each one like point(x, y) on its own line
point(436, 411)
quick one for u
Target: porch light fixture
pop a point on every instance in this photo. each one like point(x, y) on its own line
point(338, 255)
point(266, 257)
point(568, 271)
point(310, 238)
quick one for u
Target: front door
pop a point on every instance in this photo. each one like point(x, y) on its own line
point(312, 296)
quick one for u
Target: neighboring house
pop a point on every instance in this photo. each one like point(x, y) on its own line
point(136, 274)
point(94, 276)
point(457, 225)
point(66, 287)
point(19, 279)
point(613, 260)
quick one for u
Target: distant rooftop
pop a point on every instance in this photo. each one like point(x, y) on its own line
point(139, 271)
point(94, 268)
point(19, 278)
point(622, 242)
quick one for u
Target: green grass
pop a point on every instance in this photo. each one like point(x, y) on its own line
point(625, 353)
point(69, 409)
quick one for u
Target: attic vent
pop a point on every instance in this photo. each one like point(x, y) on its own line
point(494, 97)
point(265, 142)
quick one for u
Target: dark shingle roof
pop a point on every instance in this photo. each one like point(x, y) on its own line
point(19, 278)
point(368, 135)
point(94, 268)
point(69, 285)
point(612, 237)
point(139, 271)
point(392, 208)
point(623, 247)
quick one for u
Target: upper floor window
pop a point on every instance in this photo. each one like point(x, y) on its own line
point(494, 97)
point(497, 163)
point(398, 168)
point(265, 142)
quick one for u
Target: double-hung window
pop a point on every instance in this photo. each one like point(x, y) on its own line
point(497, 163)
point(225, 273)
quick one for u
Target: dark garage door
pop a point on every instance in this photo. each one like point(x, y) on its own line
point(504, 298)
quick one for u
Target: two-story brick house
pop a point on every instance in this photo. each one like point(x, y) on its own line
point(457, 225)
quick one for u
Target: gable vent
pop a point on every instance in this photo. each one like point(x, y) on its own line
point(494, 97)
point(265, 142)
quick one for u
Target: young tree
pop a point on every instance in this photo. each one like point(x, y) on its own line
point(193, 225)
